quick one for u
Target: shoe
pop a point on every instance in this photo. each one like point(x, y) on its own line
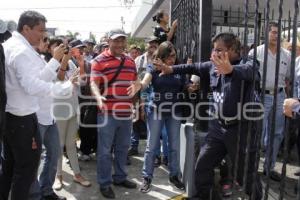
point(226, 190)
point(297, 173)
point(273, 175)
point(58, 184)
point(133, 152)
point(176, 182)
point(146, 185)
point(126, 184)
point(84, 157)
point(108, 193)
point(82, 181)
point(157, 161)
point(165, 161)
point(53, 196)
point(128, 161)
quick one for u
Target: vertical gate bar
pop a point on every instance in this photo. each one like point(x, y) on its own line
point(249, 135)
point(222, 15)
point(236, 159)
point(289, 26)
point(272, 14)
point(272, 133)
point(259, 29)
point(263, 86)
point(229, 19)
point(290, 94)
point(239, 12)
point(284, 27)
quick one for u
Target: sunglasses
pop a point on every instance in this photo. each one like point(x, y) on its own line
point(46, 39)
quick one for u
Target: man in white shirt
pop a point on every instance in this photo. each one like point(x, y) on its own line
point(25, 83)
point(48, 130)
point(283, 76)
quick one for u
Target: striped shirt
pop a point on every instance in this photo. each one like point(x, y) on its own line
point(103, 70)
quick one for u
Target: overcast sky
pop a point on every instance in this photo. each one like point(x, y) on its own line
point(83, 16)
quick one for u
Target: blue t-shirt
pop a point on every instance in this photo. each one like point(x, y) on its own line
point(166, 89)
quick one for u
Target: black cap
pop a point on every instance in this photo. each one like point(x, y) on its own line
point(76, 44)
point(115, 33)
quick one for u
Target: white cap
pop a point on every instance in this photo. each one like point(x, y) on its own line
point(11, 26)
point(3, 26)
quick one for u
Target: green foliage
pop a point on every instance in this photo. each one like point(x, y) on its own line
point(138, 42)
point(73, 35)
point(92, 37)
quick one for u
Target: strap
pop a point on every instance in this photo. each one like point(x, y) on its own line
point(117, 72)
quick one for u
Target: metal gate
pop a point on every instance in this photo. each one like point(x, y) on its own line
point(200, 20)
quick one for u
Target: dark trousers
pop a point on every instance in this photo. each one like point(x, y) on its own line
point(21, 156)
point(88, 138)
point(219, 142)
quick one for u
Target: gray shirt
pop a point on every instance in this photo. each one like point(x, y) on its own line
point(284, 68)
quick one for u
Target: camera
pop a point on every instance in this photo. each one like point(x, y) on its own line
point(67, 48)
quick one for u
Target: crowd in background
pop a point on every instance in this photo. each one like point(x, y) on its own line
point(52, 87)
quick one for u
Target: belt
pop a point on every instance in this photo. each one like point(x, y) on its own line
point(228, 122)
point(272, 91)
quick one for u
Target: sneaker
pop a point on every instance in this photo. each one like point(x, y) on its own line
point(58, 184)
point(176, 182)
point(157, 161)
point(53, 196)
point(84, 157)
point(146, 185)
point(273, 175)
point(126, 184)
point(226, 190)
point(133, 152)
point(165, 161)
point(108, 193)
point(297, 173)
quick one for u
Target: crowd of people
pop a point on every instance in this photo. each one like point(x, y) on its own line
point(53, 88)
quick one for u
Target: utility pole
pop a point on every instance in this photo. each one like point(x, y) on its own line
point(122, 22)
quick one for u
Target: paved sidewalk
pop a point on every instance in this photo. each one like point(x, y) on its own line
point(161, 189)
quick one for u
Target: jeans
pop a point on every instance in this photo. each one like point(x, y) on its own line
point(116, 133)
point(279, 126)
point(50, 140)
point(134, 140)
point(164, 137)
point(154, 130)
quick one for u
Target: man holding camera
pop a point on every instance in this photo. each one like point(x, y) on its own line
point(25, 84)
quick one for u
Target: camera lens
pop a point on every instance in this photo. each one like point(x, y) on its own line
point(66, 50)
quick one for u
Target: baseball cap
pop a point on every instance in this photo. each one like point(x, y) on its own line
point(76, 44)
point(3, 26)
point(115, 33)
point(151, 39)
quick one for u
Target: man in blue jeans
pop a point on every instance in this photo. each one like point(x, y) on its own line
point(48, 128)
point(112, 72)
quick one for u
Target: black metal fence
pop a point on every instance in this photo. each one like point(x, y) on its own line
point(250, 21)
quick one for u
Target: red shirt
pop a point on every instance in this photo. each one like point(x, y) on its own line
point(103, 70)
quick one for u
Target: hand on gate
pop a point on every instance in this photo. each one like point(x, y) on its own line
point(288, 106)
point(222, 63)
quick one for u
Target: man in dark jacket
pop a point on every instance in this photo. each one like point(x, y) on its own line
point(230, 82)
